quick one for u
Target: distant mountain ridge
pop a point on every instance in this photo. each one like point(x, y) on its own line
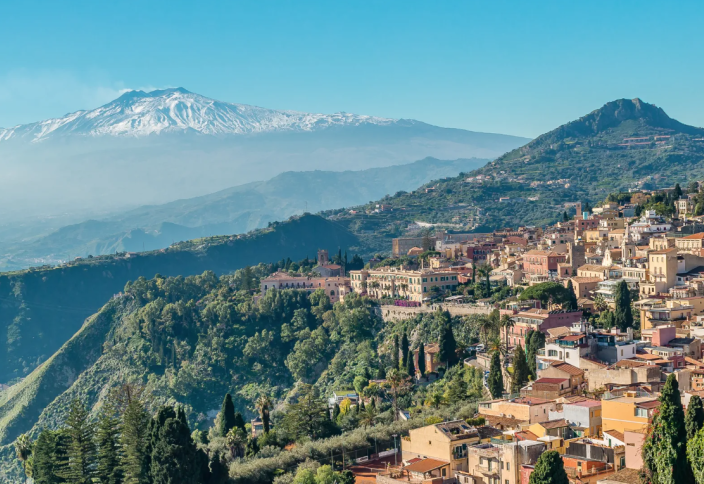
point(231, 211)
point(156, 147)
point(139, 113)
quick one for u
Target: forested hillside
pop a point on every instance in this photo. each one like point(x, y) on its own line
point(40, 309)
point(189, 341)
point(624, 144)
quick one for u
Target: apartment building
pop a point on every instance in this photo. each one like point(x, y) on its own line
point(628, 412)
point(446, 441)
point(525, 409)
point(539, 262)
point(537, 320)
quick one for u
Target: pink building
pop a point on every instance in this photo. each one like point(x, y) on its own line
point(331, 285)
point(537, 320)
point(542, 262)
point(663, 335)
point(634, 440)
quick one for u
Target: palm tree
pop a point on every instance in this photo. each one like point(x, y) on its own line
point(236, 439)
point(435, 399)
point(23, 449)
point(496, 345)
point(485, 324)
point(263, 406)
point(397, 383)
point(600, 303)
point(368, 417)
point(507, 323)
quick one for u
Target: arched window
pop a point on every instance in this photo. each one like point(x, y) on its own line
point(332, 293)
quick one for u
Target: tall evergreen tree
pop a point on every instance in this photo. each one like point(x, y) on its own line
point(410, 366)
point(457, 388)
point(109, 468)
point(336, 412)
point(448, 345)
point(219, 472)
point(395, 352)
point(496, 378)
point(549, 469)
point(43, 455)
point(623, 314)
point(665, 449)
point(134, 442)
point(421, 359)
point(239, 422)
point(573, 304)
point(520, 370)
point(404, 350)
point(174, 457)
point(227, 416)
point(694, 418)
point(79, 467)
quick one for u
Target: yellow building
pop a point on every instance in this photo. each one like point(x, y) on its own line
point(447, 441)
point(398, 283)
point(525, 409)
point(656, 312)
point(662, 266)
point(627, 412)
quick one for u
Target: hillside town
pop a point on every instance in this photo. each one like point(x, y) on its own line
point(597, 381)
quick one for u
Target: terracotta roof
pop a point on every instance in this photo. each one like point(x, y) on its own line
point(526, 435)
point(647, 356)
point(629, 364)
point(551, 380)
point(531, 401)
point(588, 402)
point(594, 362)
point(567, 368)
point(554, 424)
point(503, 422)
point(615, 434)
point(584, 279)
point(426, 465)
point(695, 236)
point(625, 475)
point(592, 267)
point(664, 251)
point(693, 361)
point(650, 404)
point(574, 337)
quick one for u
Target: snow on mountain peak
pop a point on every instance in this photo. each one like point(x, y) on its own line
point(139, 113)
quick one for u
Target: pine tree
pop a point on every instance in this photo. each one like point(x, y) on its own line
point(496, 378)
point(694, 418)
point(174, 457)
point(457, 388)
point(227, 416)
point(404, 351)
point(134, 442)
point(665, 449)
point(623, 314)
point(549, 469)
point(574, 305)
point(520, 370)
point(421, 359)
point(410, 366)
point(43, 455)
point(395, 352)
point(109, 470)
point(80, 451)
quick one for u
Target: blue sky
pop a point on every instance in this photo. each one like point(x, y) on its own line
point(510, 67)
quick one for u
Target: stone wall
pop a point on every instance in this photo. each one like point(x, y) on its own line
point(395, 313)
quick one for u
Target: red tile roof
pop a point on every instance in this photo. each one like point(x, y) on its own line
point(551, 380)
point(567, 368)
point(426, 465)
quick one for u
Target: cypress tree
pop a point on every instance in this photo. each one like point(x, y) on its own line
point(239, 422)
point(496, 378)
point(574, 305)
point(336, 412)
point(694, 418)
point(410, 366)
point(174, 457)
point(404, 350)
point(549, 469)
point(227, 416)
point(181, 415)
point(421, 359)
point(134, 442)
point(109, 470)
point(520, 370)
point(372, 404)
point(395, 351)
point(448, 346)
point(43, 458)
point(252, 447)
point(623, 315)
point(665, 449)
point(80, 451)
point(219, 472)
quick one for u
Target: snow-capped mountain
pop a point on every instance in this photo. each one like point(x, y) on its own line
point(139, 113)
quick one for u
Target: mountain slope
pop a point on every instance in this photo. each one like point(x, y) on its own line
point(235, 210)
point(625, 144)
point(41, 309)
point(152, 148)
